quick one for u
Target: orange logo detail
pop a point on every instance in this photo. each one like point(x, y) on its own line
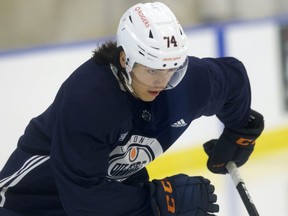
point(218, 165)
point(245, 142)
point(133, 154)
point(171, 206)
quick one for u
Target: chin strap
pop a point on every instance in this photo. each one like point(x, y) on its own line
point(125, 82)
point(122, 80)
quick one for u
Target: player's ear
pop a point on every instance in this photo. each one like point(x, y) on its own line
point(122, 59)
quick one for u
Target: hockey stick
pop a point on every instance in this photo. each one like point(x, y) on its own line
point(241, 188)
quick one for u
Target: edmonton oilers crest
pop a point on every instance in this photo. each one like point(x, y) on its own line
point(126, 160)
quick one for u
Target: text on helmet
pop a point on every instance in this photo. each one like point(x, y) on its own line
point(172, 59)
point(142, 17)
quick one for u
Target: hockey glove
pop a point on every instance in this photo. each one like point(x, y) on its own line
point(181, 195)
point(234, 145)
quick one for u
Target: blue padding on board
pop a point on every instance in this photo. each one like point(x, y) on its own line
point(221, 43)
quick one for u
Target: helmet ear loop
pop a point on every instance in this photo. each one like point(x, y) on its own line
point(123, 75)
point(116, 56)
point(128, 71)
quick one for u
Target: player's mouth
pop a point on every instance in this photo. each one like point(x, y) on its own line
point(154, 93)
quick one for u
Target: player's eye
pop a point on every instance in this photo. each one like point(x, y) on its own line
point(152, 71)
point(155, 71)
point(172, 70)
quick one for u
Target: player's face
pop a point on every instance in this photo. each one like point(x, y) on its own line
point(147, 83)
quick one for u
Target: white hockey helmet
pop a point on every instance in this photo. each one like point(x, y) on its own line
point(151, 35)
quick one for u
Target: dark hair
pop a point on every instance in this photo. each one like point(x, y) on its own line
point(105, 53)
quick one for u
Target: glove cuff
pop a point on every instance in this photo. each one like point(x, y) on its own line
point(247, 135)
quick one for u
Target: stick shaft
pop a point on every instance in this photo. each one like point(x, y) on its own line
point(241, 188)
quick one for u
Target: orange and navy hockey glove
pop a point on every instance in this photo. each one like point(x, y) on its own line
point(234, 144)
point(182, 195)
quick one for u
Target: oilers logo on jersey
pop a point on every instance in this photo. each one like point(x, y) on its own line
point(126, 160)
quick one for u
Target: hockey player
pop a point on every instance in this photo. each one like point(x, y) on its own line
point(86, 154)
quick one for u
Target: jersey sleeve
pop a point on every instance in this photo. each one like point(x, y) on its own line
point(79, 162)
point(230, 97)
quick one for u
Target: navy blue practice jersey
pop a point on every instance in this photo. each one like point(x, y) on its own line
point(98, 135)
